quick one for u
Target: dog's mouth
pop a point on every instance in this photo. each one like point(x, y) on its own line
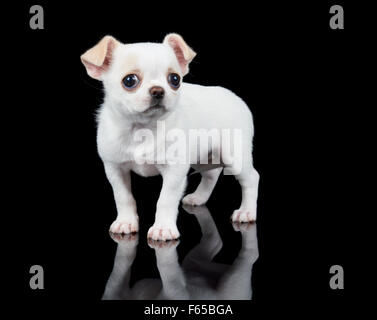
point(154, 108)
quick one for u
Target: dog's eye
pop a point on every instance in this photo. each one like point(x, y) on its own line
point(174, 80)
point(130, 81)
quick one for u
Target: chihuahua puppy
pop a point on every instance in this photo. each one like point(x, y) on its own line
point(144, 89)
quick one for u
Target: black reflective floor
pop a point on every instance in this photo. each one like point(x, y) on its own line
point(197, 277)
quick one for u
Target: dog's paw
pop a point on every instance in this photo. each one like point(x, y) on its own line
point(163, 232)
point(244, 215)
point(193, 200)
point(125, 225)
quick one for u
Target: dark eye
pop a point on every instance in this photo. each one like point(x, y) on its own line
point(174, 80)
point(130, 81)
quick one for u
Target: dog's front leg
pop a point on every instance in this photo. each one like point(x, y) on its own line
point(127, 220)
point(174, 183)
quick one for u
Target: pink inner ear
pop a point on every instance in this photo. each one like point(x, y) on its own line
point(93, 70)
point(179, 54)
point(96, 71)
point(109, 53)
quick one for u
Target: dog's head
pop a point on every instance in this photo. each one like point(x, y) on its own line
point(140, 78)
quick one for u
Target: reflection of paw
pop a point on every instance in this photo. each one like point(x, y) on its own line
point(155, 244)
point(163, 231)
point(249, 236)
point(243, 226)
point(244, 215)
point(196, 210)
point(124, 238)
point(194, 200)
point(125, 225)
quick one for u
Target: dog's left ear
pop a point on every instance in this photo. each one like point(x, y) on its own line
point(182, 51)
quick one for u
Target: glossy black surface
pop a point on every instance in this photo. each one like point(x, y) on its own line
point(198, 277)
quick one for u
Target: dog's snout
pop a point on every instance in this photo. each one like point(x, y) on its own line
point(157, 92)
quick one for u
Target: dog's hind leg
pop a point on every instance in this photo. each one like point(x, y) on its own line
point(249, 180)
point(202, 193)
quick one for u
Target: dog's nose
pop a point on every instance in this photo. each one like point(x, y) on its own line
point(157, 92)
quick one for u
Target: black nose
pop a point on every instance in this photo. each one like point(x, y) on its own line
point(157, 92)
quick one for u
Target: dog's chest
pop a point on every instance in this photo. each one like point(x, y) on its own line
point(131, 148)
point(138, 156)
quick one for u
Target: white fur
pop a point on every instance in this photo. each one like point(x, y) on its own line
point(190, 107)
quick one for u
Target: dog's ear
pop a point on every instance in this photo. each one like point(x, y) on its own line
point(182, 51)
point(98, 59)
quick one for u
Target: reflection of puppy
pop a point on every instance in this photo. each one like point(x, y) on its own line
point(198, 278)
point(143, 84)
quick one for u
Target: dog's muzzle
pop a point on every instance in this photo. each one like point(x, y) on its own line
point(157, 95)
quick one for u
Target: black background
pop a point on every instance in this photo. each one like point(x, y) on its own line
point(298, 78)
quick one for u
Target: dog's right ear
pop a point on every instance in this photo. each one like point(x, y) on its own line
point(97, 60)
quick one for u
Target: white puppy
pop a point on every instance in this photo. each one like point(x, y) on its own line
point(143, 91)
